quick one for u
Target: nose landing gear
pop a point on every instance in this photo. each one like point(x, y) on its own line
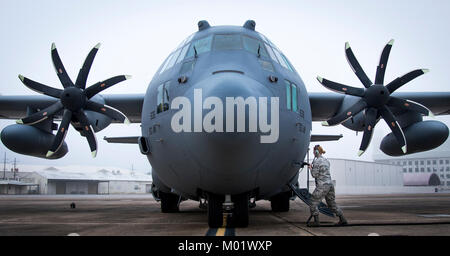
point(228, 211)
point(170, 202)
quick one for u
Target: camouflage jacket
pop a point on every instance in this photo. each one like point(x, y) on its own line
point(321, 171)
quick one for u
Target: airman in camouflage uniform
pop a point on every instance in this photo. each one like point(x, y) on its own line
point(320, 170)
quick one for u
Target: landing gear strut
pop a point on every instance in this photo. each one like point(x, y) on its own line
point(215, 213)
point(169, 202)
point(228, 211)
point(280, 201)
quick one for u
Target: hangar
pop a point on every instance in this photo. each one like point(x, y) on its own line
point(435, 161)
point(81, 180)
point(364, 177)
point(421, 179)
point(14, 187)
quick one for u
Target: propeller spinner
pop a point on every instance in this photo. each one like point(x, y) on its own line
point(375, 98)
point(74, 99)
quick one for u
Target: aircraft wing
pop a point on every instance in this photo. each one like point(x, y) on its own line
point(15, 107)
point(323, 105)
point(326, 105)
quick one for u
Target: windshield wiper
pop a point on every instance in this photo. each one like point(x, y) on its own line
point(195, 52)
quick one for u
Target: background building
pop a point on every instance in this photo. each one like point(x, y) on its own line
point(75, 180)
point(362, 177)
point(14, 187)
point(434, 161)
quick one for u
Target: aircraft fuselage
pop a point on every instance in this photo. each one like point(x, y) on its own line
point(197, 146)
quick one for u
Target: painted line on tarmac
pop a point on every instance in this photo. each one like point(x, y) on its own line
point(224, 230)
point(221, 232)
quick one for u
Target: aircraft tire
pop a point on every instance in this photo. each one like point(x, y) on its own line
point(280, 202)
point(215, 211)
point(241, 211)
point(169, 202)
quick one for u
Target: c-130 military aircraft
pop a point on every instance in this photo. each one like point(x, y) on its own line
point(226, 120)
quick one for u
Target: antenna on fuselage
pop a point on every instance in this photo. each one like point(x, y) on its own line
point(203, 24)
point(250, 24)
point(195, 52)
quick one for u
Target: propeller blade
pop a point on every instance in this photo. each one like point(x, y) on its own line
point(40, 88)
point(409, 105)
point(354, 64)
point(41, 115)
point(340, 88)
point(60, 70)
point(400, 81)
point(394, 126)
point(347, 114)
point(100, 86)
point(88, 132)
point(107, 111)
point(84, 71)
point(381, 69)
point(371, 119)
point(61, 134)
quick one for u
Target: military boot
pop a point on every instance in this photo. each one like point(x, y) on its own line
point(342, 221)
point(315, 223)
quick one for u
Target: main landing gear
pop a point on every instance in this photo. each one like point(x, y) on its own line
point(280, 201)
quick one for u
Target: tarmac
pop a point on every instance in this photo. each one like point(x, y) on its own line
point(140, 215)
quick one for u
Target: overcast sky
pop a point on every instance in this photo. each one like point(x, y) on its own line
point(137, 36)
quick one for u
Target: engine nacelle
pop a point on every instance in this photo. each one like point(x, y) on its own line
point(420, 136)
point(31, 141)
point(357, 122)
point(97, 120)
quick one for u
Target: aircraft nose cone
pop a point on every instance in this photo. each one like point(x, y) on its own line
point(230, 156)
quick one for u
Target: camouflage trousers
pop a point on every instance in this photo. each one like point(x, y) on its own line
point(319, 193)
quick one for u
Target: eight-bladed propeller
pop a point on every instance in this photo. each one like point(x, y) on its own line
point(375, 98)
point(74, 100)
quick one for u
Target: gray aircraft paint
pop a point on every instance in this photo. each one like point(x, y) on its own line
point(230, 162)
point(213, 121)
point(227, 162)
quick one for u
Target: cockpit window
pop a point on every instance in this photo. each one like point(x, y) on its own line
point(172, 60)
point(200, 46)
point(264, 38)
point(254, 46)
point(227, 42)
point(272, 55)
point(288, 95)
point(280, 59)
point(185, 41)
point(187, 67)
point(164, 67)
point(261, 47)
point(291, 96)
point(287, 63)
point(163, 100)
point(183, 53)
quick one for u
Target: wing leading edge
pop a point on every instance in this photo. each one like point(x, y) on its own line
point(15, 107)
point(326, 105)
point(323, 105)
